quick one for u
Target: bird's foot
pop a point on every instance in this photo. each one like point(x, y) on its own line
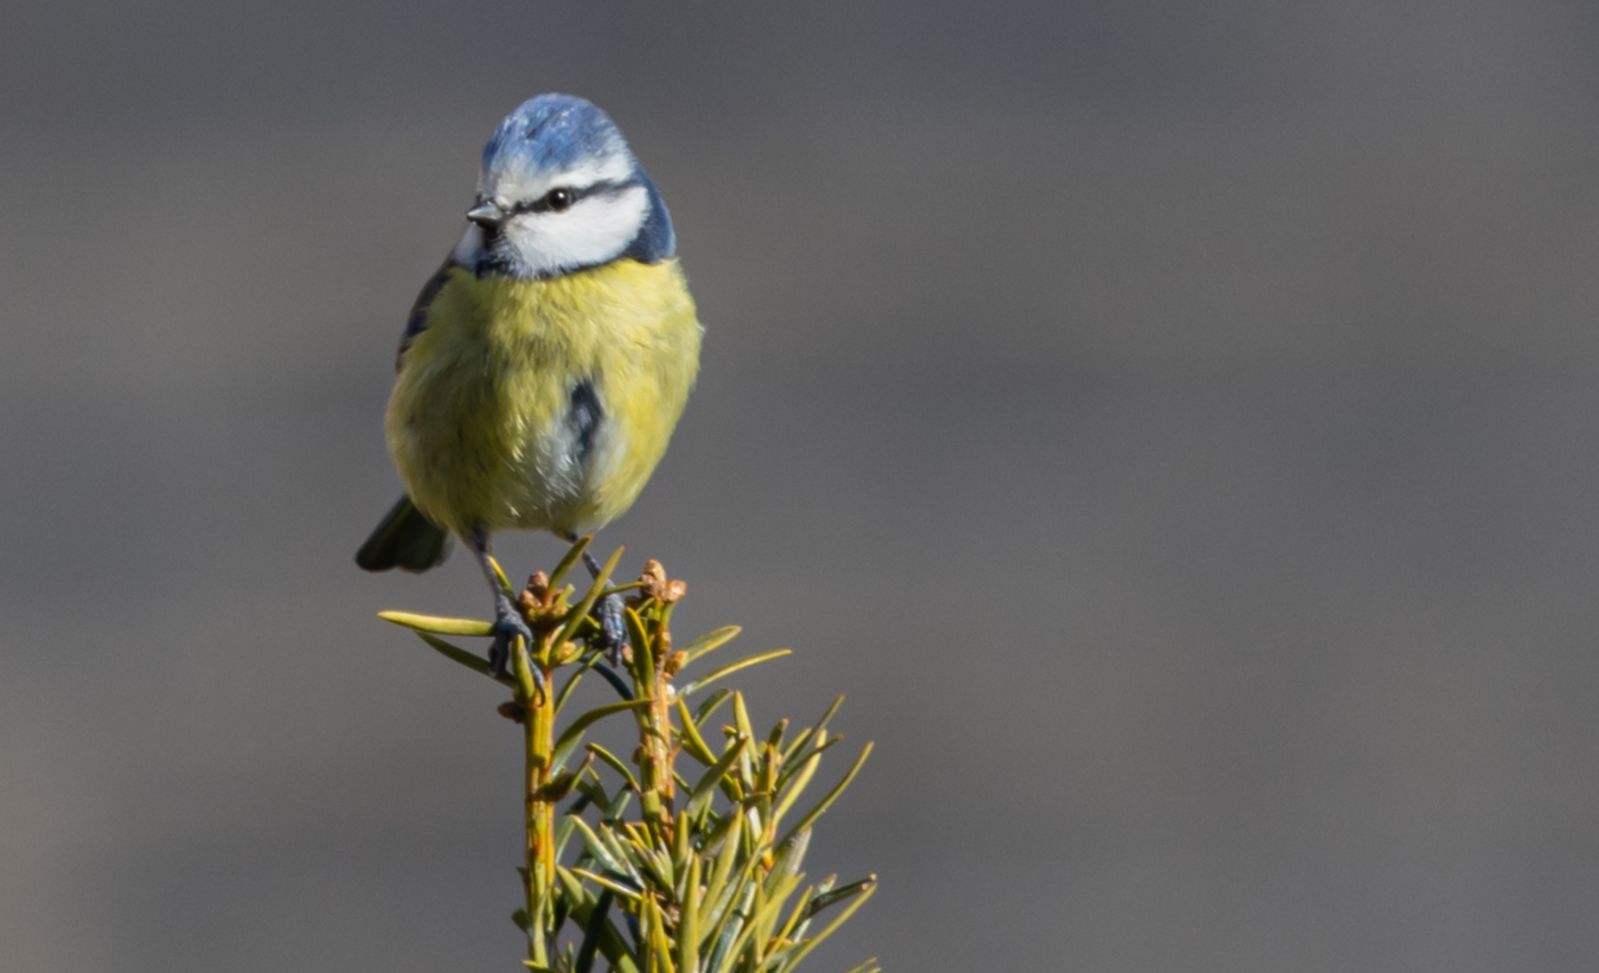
point(613, 628)
point(508, 626)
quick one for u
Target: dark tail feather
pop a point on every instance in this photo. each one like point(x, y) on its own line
point(405, 539)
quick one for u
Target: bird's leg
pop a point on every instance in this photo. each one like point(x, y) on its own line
point(611, 612)
point(508, 621)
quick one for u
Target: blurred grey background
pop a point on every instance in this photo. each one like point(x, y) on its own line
point(1173, 425)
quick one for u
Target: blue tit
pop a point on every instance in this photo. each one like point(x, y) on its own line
point(544, 366)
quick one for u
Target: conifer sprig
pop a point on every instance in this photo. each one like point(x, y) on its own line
point(686, 855)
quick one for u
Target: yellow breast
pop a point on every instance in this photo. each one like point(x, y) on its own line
point(543, 404)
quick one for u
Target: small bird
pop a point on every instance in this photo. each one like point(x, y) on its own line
point(544, 366)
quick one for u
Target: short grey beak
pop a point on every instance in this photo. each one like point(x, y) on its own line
point(486, 215)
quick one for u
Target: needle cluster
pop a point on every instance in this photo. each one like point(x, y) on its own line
point(686, 855)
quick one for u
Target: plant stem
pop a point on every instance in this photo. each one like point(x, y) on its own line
point(538, 727)
point(655, 725)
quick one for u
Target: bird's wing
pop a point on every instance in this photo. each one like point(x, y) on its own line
point(417, 321)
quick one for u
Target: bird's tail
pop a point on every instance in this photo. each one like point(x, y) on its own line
point(404, 539)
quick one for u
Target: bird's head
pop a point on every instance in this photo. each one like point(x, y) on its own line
point(560, 191)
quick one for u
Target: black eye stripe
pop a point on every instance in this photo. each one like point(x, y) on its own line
point(605, 188)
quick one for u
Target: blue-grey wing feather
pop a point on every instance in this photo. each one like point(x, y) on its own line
point(417, 321)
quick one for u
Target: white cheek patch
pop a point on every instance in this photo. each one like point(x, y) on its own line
point(597, 229)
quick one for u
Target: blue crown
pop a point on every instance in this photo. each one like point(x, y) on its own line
point(550, 133)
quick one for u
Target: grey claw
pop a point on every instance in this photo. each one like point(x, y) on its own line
point(613, 628)
point(507, 626)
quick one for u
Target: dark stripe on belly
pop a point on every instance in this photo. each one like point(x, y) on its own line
point(584, 415)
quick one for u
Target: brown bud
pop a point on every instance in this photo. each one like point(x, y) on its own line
point(654, 578)
point(675, 590)
point(513, 711)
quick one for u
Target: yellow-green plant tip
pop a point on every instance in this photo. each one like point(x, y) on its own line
point(574, 732)
point(681, 781)
point(741, 715)
point(499, 575)
point(681, 852)
point(797, 748)
point(765, 781)
point(459, 655)
point(717, 895)
point(606, 882)
point(732, 921)
point(717, 889)
point(832, 795)
point(688, 928)
point(768, 903)
point(664, 619)
point(706, 786)
point(527, 684)
point(618, 806)
point(627, 846)
point(839, 894)
point(564, 830)
point(733, 667)
point(614, 762)
point(570, 558)
point(791, 767)
point(613, 860)
point(709, 705)
point(790, 855)
point(786, 934)
point(689, 736)
point(794, 786)
point(643, 649)
point(572, 886)
point(579, 614)
point(438, 624)
point(795, 779)
point(709, 642)
point(655, 864)
point(775, 738)
point(591, 912)
point(660, 945)
point(804, 949)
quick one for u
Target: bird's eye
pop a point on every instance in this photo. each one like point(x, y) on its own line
point(557, 200)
